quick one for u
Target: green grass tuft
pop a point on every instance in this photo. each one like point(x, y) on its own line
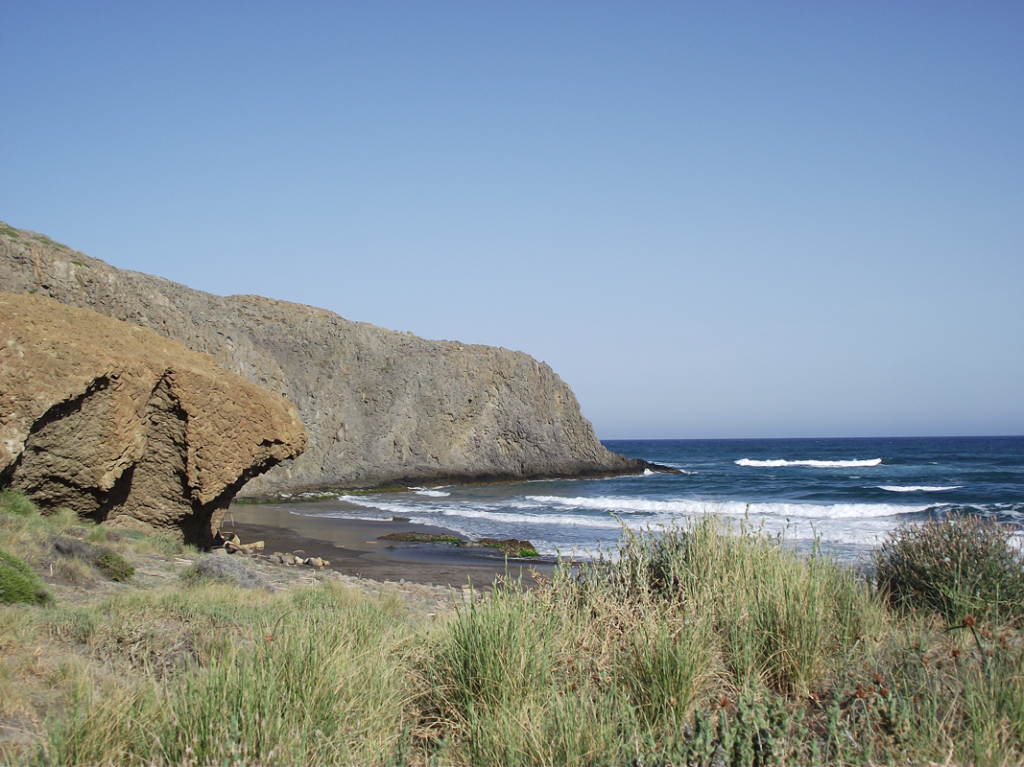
point(17, 504)
point(312, 680)
point(18, 583)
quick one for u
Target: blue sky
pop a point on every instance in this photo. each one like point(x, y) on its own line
point(711, 219)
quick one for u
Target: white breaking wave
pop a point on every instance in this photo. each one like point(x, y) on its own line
point(691, 507)
point(432, 493)
point(917, 488)
point(433, 516)
point(815, 464)
point(537, 510)
point(553, 521)
point(394, 508)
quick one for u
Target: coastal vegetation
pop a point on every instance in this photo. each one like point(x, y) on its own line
point(18, 583)
point(698, 645)
point(960, 566)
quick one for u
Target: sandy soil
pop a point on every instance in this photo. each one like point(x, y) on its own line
point(353, 548)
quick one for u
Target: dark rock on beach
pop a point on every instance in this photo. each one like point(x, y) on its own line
point(414, 537)
point(381, 408)
point(510, 547)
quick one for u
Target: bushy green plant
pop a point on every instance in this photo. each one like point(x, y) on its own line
point(957, 567)
point(18, 583)
point(114, 566)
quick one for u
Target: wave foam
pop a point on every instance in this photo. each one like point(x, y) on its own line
point(690, 507)
point(553, 521)
point(917, 488)
point(366, 503)
point(432, 493)
point(813, 463)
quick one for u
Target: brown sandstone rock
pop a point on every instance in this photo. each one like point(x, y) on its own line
point(123, 425)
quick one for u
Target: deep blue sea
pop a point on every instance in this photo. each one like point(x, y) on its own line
point(850, 493)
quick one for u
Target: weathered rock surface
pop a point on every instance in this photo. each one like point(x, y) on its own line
point(123, 425)
point(380, 407)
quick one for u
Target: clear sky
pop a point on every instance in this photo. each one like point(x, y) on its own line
point(712, 219)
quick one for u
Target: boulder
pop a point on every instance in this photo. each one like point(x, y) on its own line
point(127, 427)
point(382, 408)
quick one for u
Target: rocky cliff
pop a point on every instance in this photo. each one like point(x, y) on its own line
point(125, 426)
point(380, 407)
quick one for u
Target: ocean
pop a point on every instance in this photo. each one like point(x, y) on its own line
point(847, 493)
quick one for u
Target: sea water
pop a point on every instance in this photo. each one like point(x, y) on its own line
point(849, 494)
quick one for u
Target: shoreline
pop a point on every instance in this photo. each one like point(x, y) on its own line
point(352, 548)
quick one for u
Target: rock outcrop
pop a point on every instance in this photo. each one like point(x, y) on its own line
point(125, 426)
point(381, 407)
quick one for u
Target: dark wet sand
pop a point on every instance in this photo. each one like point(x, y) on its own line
point(352, 548)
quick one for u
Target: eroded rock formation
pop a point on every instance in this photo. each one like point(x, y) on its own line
point(125, 426)
point(380, 407)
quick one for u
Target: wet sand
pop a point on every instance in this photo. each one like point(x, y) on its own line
point(353, 548)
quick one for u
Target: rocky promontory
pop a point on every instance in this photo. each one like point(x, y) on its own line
point(127, 427)
point(381, 408)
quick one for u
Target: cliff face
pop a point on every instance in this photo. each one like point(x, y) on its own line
point(380, 407)
point(125, 426)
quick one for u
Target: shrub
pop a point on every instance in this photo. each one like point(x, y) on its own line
point(114, 566)
point(18, 583)
point(957, 567)
point(72, 547)
point(225, 570)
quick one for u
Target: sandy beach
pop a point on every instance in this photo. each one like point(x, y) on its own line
point(353, 548)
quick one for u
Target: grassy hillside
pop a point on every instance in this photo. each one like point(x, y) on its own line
point(697, 646)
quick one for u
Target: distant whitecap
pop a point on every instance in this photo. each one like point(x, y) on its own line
point(812, 463)
point(917, 488)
